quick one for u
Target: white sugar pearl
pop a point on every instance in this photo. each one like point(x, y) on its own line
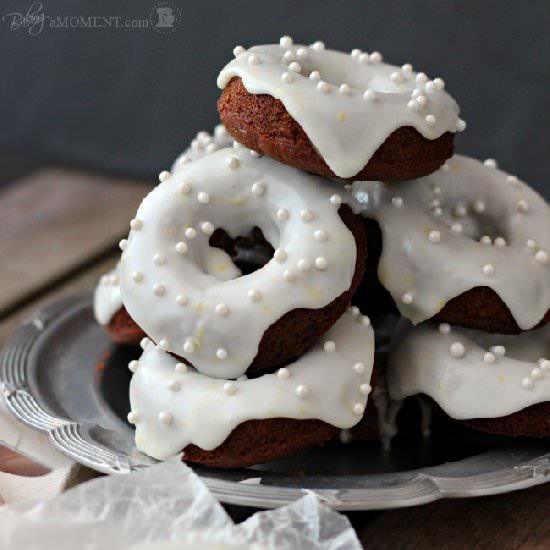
point(498, 350)
point(344, 89)
point(159, 290)
point(255, 295)
point(144, 342)
point(222, 310)
point(439, 83)
point(133, 365)
point(182, 300)
point(304, 265)
point(396, 77)
point(486, 240)
point(421, 78)
point(488, 270)
point(133, 417)
point(207, 228)
point(173, 385)
point(457, 349)
point(181, 247)
point(283, 374)
point(456, 227)
point(302, 391)
point(329, 346)
point(356, 52)
point(527, 383)
point(295, 67)
point(233, 162)
point(523, 206)
point(434, 236)
point(229, 388)
point(238, 50)
point(412, 104)
point(280, 255)
point(531, 244)
point(499, 241)
point(165, 417)
point(184, 159)
point(437, 211)
point(375, 57)
point(164, 175)
point(320, 235)
point(159, 259)
point(479, 206)
point(369, 95)
point(537, 374)
point(286, 78)
point(444, 328)
point(164, 345)
point(301, 53)
point(253, 60)
point(289, 56)
point(542, 257)
point(104, 280)
point(359, 368)
point(365, 389)
point(181, 368)
point(489, 357)
point(407, 68)
point(137, 276)
point(189, 346)
point(211, 148)
point(460, 125)
point(321, 263)
point(190, 233)
point(336, 199)
point(123, 244)
point(255, 154)
point(407, 298)
point(203, 197)
point(306, 215)
point(397, 201)
point(460, 211)
point(136, 224)
point(290, 275)
point(286, 41)
point(315, 76)
point(283, 214)
point(365, 321)
point(544, 364)
point(221, 353)
point(318, 45)
point(429, 87)
point(185, 188)
point(322, 87)
point(421, 100)
point(490, 163)
point(430, 120)
point(358, 409)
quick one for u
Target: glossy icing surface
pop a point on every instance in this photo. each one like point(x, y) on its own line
point(173, 406)
point(346, 104)
point(107, 297)
point(471, 374)
point(466, 225)
point(218, 324)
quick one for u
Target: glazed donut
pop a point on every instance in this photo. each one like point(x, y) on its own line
point(187, 295)
point(499, 384)
point(174, 407)
point(334, 114)
point(468, 243)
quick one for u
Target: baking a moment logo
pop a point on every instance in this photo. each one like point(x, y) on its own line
point(164, 18)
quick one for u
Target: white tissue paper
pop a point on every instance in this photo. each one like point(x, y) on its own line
point(165, 507)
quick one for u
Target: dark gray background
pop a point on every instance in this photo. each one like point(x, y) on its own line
point(129, 100)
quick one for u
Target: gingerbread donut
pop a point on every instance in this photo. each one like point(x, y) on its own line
point(234, 423)
point(189, 297)
point(335, 114)
point(469, 244)
point(499, 384)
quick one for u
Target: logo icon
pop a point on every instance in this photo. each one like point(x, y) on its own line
point(165, 17)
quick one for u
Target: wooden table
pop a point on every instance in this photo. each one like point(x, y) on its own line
point(59, 231)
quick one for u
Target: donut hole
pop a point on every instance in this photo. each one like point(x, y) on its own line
point(249, 252)
point(475, 226)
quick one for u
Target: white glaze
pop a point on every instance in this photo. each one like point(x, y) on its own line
point(424, 273)
point(469, 386)
point(203, 412)
point(107, 297)
point(346, 104)
point(233, 315)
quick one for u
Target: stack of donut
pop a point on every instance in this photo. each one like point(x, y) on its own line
point(239, 271)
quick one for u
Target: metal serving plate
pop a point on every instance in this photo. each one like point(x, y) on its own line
point(60, 374)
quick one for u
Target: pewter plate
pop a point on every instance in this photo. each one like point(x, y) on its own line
point(60, 374)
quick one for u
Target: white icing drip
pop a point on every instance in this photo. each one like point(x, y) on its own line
point(355, 106)
point(422, 274)
point(255, 301)
point(204, 414)
point(107, 297)
point(469, 386)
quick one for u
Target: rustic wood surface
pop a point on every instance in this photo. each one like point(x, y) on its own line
point(60, 230)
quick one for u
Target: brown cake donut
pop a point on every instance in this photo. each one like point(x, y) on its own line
point(262, 123)
point(259, 441)
point(122, 329)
